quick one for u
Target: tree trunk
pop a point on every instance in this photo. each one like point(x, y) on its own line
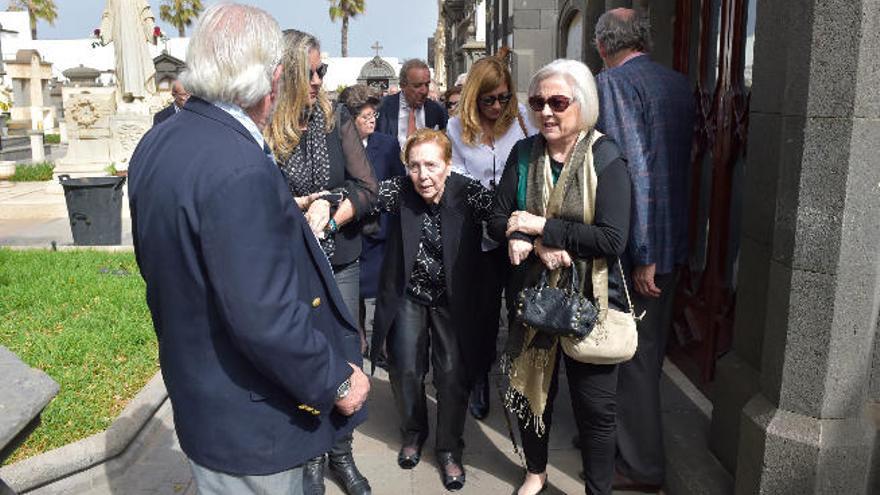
point(345, 36)
point(33, 23)
point(181, 30)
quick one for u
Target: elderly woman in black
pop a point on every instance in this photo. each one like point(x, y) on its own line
point(426, 295)
point(332, 182)
point(539, 212)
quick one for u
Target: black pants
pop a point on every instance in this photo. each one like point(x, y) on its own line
point(593, 390)
point(492, 277)
point(416, 330)
point(640, 453)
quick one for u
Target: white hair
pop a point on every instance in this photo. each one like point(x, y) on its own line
point(581, 82)
point(232, 55)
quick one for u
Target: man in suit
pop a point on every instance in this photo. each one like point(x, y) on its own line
point(404, 113)
point(258, 352)
point(180, 95)
point(648, 109)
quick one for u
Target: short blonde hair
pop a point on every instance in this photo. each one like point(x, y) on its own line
point(581, 82)
point(423, 136)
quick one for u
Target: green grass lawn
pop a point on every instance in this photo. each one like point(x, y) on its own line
point(82, 318)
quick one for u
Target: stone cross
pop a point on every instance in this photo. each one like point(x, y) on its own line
point(376, 46)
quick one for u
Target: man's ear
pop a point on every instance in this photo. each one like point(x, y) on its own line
point(601, 49)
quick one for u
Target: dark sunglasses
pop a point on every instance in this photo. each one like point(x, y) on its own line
point(489, 100)
point(558, 103)
point(321, 71)
point(450, 104)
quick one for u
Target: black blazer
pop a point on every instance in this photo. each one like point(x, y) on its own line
point(389, 111)
point(163, 114)
point(251, 325)
point(462, 235)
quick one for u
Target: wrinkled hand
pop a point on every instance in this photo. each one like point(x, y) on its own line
point(518, 250)
point(643, 277)
point(303, 202)
point(525, 222)
point(357, 395)
point(552, 258)
point(318, 215)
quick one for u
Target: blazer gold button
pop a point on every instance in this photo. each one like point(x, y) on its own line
point(316, 302)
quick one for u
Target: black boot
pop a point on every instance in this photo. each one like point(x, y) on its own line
point(347, 472)
point(313, 476)
point(479, 399)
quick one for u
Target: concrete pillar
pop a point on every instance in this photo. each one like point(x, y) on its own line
point(814, 106)
point(38, 154)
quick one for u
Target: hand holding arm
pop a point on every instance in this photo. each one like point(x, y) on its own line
point(526, 223)
point(318, 216)
point(518, 250)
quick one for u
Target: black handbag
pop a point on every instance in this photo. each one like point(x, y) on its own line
point(557, 311)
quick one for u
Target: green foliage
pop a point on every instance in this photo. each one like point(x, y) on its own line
point(345, 10)
point(180, 13)
point(81, 317)
point(33, 172)
point(52, 138)
point(37, 9)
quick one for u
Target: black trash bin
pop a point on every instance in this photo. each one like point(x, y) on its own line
point(94, 206)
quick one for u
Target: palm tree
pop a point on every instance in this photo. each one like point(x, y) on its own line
point(37, 9)
point(345, 9)
point(180, 13)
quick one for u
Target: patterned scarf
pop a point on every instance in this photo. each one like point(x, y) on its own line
point(530, 356)
point(308, 167)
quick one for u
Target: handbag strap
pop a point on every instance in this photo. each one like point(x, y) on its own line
point(632, 309)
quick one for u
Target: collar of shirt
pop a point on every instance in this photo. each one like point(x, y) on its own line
point(244, 119)
point(630, 57)
point(176, 108)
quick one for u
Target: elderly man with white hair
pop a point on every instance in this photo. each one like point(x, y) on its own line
point(259, 353)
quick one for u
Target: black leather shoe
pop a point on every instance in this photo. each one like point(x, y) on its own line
point(447, 463)
point(410, 453)
point(313, 476)
point(478, 404)
point(347, 472)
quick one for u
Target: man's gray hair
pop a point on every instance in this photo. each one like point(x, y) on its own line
point(582, 84)
point(616, 32)
point(232, 55)
point(413, 63)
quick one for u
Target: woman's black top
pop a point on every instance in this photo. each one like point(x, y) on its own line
point(607, 235)
point(351, 173)
point(427, 282)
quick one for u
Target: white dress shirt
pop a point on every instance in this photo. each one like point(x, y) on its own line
point(403, 119)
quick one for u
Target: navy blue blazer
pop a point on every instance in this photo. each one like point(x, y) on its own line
point(163, 114)
point(389, 111)
point(254, 337)
point(384, 155)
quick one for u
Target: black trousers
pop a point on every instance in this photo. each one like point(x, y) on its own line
point(417, 331)
point(593, 390)
point(492, 277)
point(640, 453)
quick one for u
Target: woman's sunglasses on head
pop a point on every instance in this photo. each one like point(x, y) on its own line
point(558, 103)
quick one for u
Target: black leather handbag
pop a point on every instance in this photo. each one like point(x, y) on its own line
point(561, 312)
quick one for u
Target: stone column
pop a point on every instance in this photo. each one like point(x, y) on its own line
point(806, 430)
point(36, 90)
point(38, 154)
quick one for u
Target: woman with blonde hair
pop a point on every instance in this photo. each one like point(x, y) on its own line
point(331, 180)
point(487, 123)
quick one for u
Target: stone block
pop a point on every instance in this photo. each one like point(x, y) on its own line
point(527, 19)
point(736, 382)
point(867, 103)
point(752, 303)
point(779, 47)
point(549, 19)
point(24, 392)
point(775, 329)
point(834, 55)
point(533, 5)
point(761, 175)
point(781, 453)
point(788, 186)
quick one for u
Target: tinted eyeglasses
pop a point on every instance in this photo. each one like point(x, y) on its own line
point(489, 100)
point(320, 71)
point(558, 103)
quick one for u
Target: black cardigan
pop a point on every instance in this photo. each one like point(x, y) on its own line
point(607, 235)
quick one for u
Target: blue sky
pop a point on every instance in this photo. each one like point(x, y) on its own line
point(401, 26)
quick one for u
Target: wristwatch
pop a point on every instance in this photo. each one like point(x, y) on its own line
point(343, 389)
